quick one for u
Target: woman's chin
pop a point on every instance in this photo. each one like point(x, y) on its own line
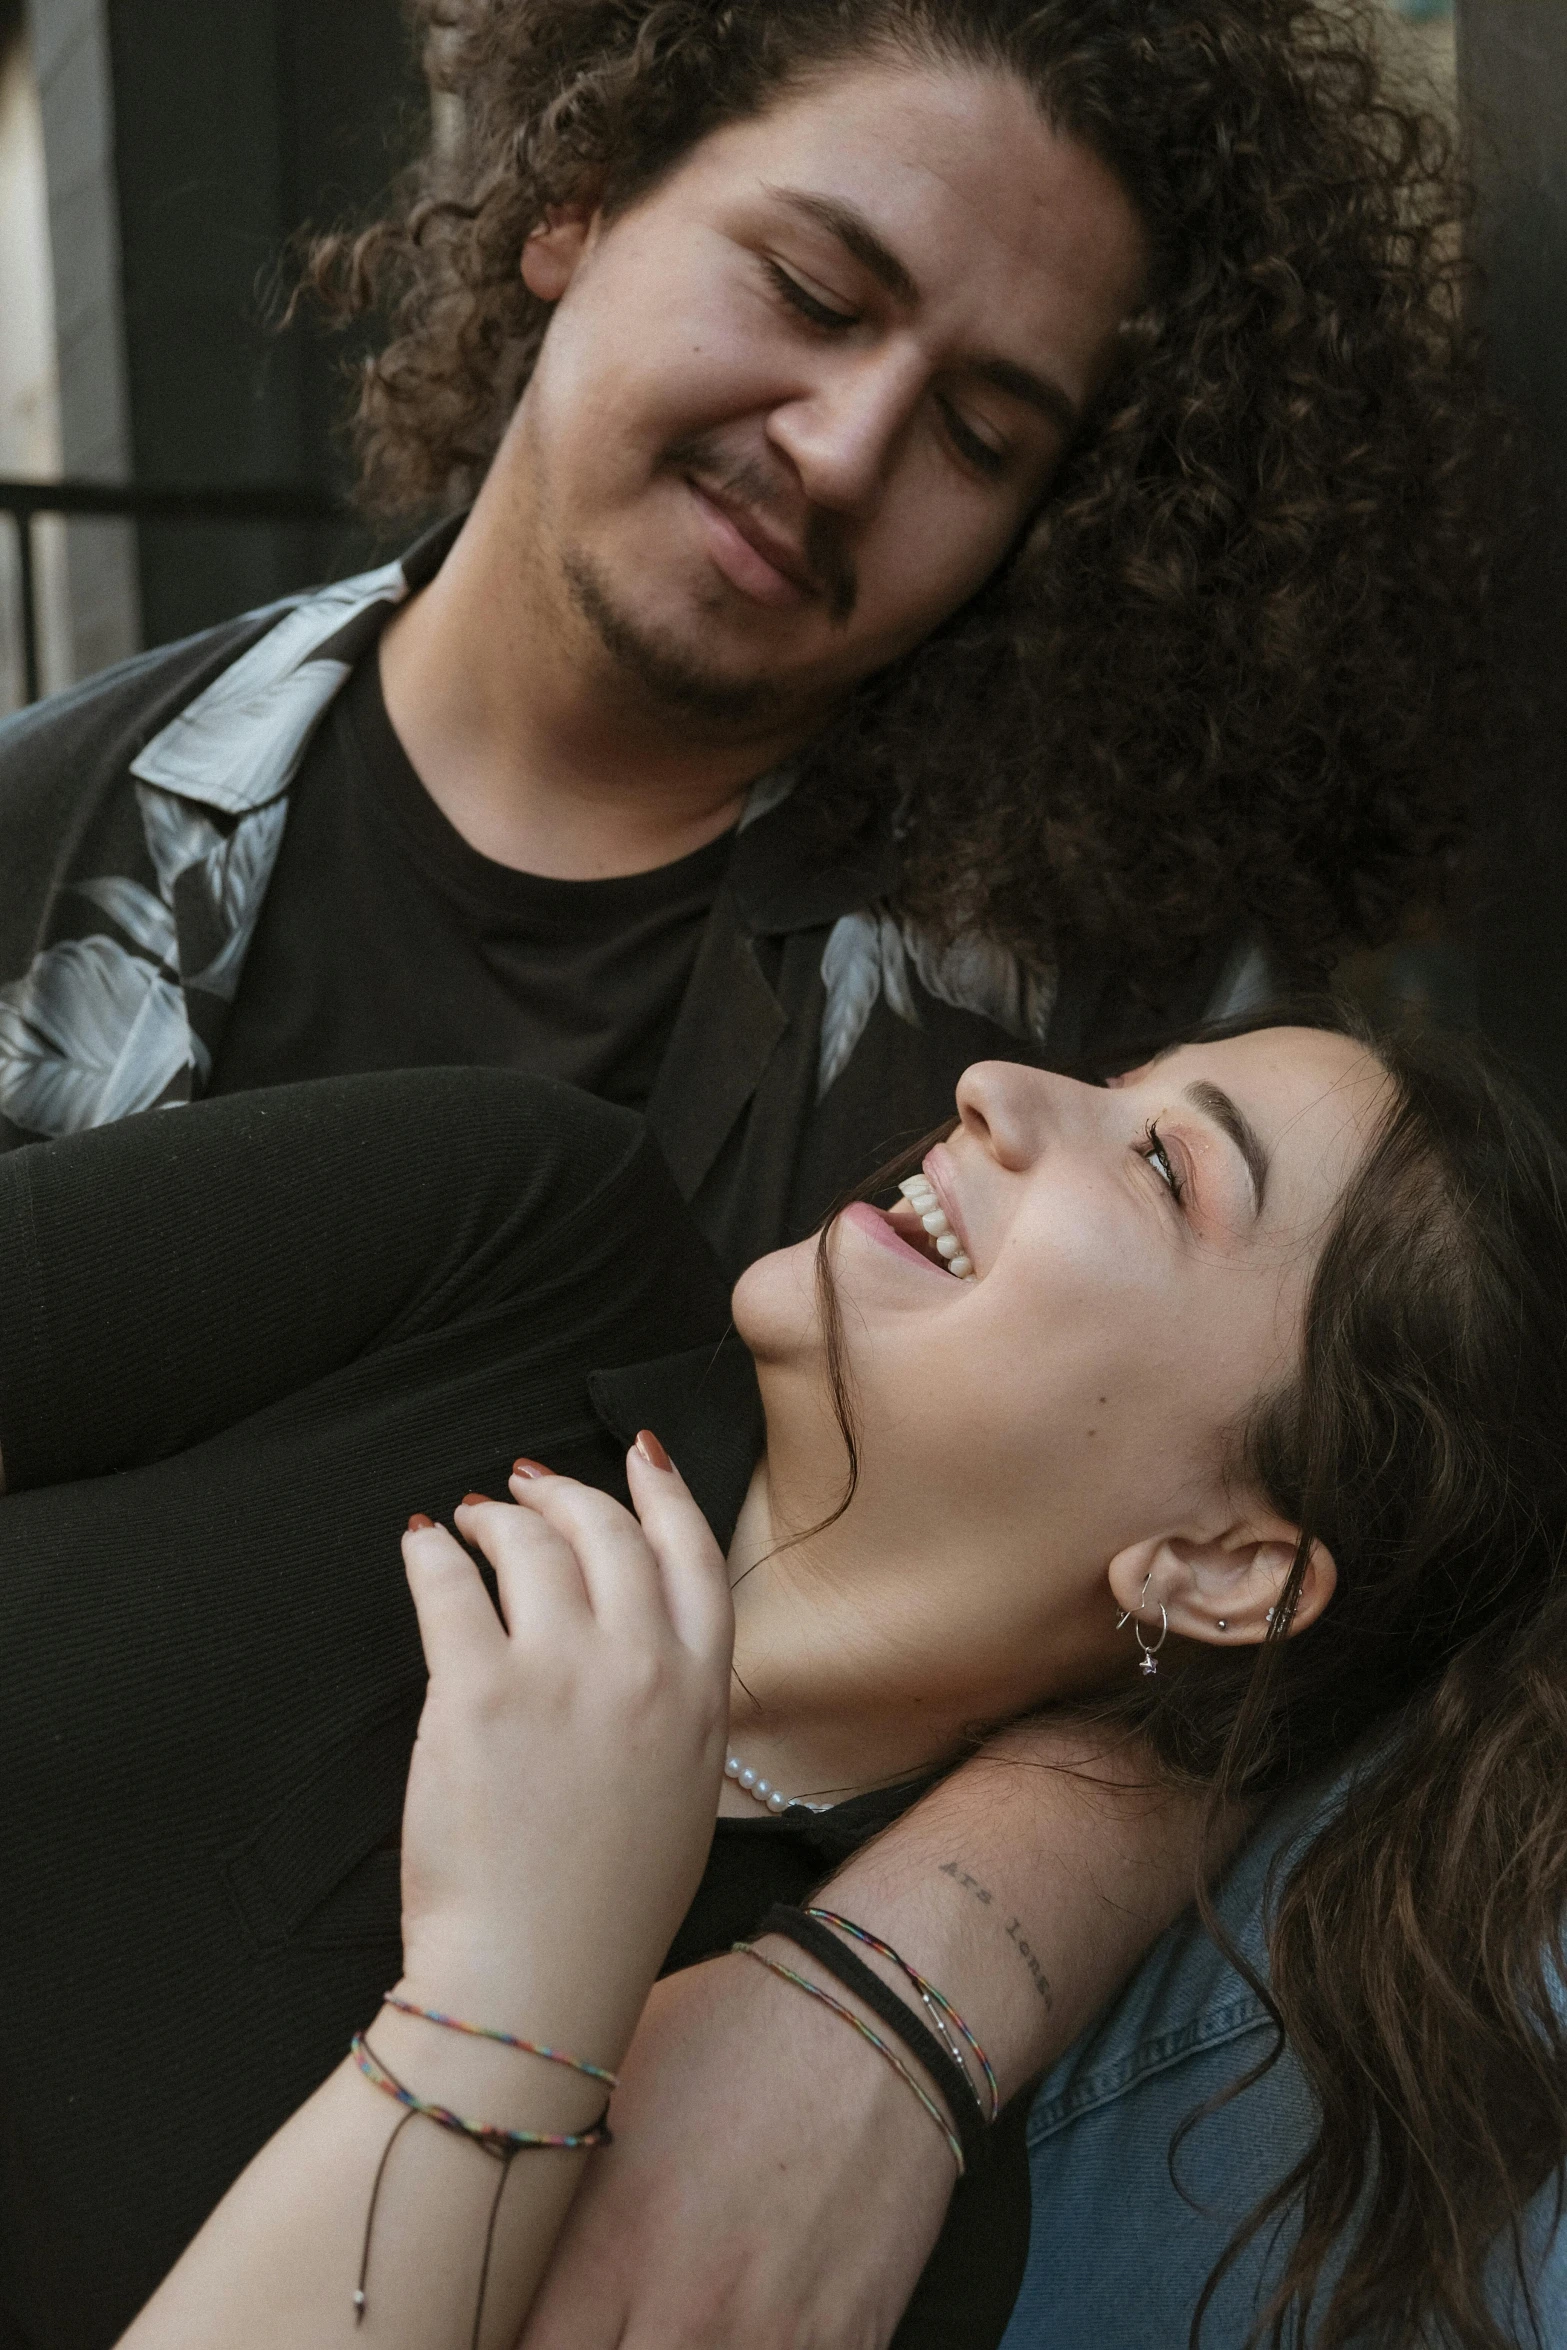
point(774, 1303)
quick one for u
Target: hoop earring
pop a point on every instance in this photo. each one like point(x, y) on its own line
point(1130, 1616)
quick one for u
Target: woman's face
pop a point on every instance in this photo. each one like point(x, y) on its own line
point(1142, 1255)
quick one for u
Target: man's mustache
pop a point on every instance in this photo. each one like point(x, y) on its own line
point(745, 483)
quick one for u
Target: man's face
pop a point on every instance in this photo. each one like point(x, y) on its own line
point(795, 406)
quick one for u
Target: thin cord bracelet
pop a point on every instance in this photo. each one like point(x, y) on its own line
point(789, 1974)
point(486, 2134)
point(942, 2012)
point(950, 2077)
point(502, 2146)
point(452, 2023)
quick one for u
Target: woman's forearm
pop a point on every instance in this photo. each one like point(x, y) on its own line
point(279, 2262)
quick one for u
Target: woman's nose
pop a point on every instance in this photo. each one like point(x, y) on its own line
point(1005, 1108)
point(1017, 1112)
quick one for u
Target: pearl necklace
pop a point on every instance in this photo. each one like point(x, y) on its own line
point(771, 1799)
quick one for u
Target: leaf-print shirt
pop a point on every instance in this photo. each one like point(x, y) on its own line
point(142, 815)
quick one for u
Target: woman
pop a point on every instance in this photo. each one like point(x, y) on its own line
point(1261, 1341)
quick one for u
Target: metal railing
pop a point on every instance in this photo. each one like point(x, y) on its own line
point(132, 502)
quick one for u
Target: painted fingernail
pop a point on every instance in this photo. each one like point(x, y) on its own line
point(527, 1468)
point(418, 1522)
point(652, 1451)
point(469, 1499)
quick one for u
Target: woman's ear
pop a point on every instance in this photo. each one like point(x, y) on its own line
point(1222, 1587)
point(553, 253)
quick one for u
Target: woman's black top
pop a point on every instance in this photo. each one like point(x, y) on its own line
point(239, 1344)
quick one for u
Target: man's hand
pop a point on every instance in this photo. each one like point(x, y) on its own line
point(773, 2184)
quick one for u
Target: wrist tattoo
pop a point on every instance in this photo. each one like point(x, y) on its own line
point(1015, 1935)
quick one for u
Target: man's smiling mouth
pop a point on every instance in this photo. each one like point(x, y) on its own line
point(785, 555)
point(759, 535)
point(760, 564)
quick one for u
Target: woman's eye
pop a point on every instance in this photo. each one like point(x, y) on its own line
point(1161, 1162)
point(801, 299)
point(974, 450)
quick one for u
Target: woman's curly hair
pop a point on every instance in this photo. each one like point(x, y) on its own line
point(1230, 679)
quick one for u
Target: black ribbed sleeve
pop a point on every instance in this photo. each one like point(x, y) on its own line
point(239, 1343)
point(165, 1278)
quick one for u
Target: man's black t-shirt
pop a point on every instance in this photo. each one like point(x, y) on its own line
point(387, 942)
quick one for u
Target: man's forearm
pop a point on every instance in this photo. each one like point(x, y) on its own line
point(773, 2182)
point(1028, 1885)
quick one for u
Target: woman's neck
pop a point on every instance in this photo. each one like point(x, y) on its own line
point(872, 1644)
point(827, 1699)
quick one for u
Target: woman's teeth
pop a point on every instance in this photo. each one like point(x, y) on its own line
point(920, 1194)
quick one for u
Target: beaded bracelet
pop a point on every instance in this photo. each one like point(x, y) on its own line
point(788, 1974)
point(503, 2146)
point(941, 2011)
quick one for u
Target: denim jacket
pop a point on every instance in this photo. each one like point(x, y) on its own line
point(1118, 2253)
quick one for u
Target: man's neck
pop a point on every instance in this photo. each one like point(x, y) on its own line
point(529, 742)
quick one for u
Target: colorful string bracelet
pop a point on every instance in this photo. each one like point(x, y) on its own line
point(942, 2012)
point(789, 1974)
point(503, 2146)
point(486, 2134)
point(452, 2023)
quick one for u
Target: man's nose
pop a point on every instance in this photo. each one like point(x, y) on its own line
point(842, 436)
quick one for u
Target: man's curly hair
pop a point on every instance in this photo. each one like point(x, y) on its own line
point(1230, 678)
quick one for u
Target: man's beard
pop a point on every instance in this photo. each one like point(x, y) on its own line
point(665, 669)
point(668, 670)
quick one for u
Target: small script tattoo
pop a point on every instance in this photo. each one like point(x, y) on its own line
point(1041, 1979)
point(961, 1877)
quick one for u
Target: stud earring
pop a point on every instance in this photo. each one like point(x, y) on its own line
point(1130, 1615)
point(1224, 1623)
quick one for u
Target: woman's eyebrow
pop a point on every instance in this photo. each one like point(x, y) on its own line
point(1214, 1103)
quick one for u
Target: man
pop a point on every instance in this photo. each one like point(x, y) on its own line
point(969, 527)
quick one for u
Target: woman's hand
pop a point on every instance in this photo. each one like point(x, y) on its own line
point(560, 1807)
point(565, 1778)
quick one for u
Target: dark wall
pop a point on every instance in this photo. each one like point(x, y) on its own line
point(1513, 79)
point(234, 126)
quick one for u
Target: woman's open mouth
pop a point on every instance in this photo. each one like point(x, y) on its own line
point(920, 1220)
